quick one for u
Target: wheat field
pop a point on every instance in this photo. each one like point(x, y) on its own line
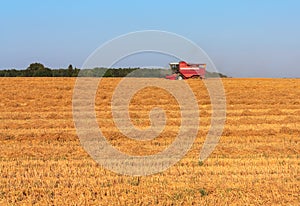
point(257, 161)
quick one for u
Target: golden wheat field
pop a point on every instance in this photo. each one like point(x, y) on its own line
point(257, 161)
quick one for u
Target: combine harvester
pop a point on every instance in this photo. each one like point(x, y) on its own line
point(183, 70)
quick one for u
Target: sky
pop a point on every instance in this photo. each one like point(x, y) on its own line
point(249, 38)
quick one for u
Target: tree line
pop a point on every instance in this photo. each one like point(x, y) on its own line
point(39, 70)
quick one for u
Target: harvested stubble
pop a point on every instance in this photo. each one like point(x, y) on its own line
point(256, 162)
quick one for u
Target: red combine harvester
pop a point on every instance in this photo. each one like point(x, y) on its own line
point(183, 70)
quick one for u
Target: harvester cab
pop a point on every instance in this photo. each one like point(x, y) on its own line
point(174, 67)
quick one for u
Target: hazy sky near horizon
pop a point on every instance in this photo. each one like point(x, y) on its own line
point(249, 38)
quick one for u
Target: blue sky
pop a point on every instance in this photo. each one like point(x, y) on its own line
point(249, 38)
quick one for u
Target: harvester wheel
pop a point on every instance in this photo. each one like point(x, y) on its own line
point(180, 77)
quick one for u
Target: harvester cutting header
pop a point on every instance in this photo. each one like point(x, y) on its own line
point(182, 70)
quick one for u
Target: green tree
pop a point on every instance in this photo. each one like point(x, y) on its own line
point(33, 68)
point(70, 70)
